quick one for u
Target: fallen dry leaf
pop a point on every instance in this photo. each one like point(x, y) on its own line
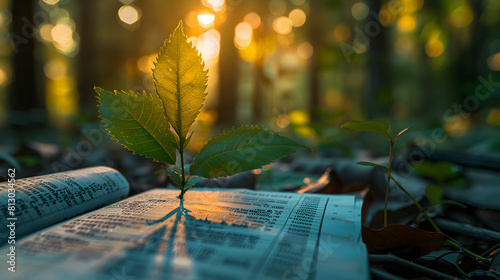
point(401, 240)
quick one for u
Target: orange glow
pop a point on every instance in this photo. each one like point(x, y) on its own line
point(206, 20)
point(253, 19)
point(494, 62)
point(242, 35)
point(297, 17)
point(145, 63)
point(341, 32)
point(282, 25)
point(494, 117)
point(45, 32)
point(305, 50)
point(252, 53)
point(277, 7)
point(243, 30)
point(298, 117)
point(55, 69)
point(461, 16)
point(282, 120)
point(434, 47)
point(406, 23)
point(3, 77)
point(61, 99)
point(191, 19)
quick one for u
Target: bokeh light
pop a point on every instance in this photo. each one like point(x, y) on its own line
point(191, 19)
point(277, 7)
point(341, 32)
point(434, 48)
point(282, 25)
point(297, 17)
point(359, 11)
point(208, 45)
point(282, 120)
point(494, 62)
point(55, 69)
point(51, 2)
point(45, 32)
point(206, 20)
point(461, 16)
point(129, 14)
point(253, 19)
point(242, 35)
point(406, 23)
point(305, 50)
point(62, 34)
point(299, 117)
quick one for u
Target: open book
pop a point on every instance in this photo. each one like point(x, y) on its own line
point(210, 234)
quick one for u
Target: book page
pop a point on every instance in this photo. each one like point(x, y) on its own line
point(44, 200)
point(238, 234)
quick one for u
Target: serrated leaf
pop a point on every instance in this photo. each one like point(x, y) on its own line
point(433, 194)
point(138, 122)
point(174, 175)
point(180, 81)
point(240, 150)
point(378, 127)
point(366, 163)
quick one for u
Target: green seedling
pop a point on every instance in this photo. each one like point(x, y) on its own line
point(379, 128)
point(382, 128)
point(158, 125)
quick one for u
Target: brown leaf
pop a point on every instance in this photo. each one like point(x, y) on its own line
point(401, 240)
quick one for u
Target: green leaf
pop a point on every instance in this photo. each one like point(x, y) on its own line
point(138, 122)
point(439, 171)
point(192, 182)
point(172, 173)
point(433, 194)
point(180, 81)
point(446, 201)
point(365, 163)
point(240, 150)
point(378, 127)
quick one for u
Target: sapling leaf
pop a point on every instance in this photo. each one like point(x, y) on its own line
point(378, 127)
point(240, 150)
point(137, 121)
point(433, 194)
point(156, 126)
point(366, 163)
point(174, 175)
point(191, 182)
point(180, 81)
point(402, 131)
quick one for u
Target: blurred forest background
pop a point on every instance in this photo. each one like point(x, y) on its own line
point(301, 67)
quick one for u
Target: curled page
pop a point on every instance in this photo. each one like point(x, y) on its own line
point(237, 234)
point(41, 201)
